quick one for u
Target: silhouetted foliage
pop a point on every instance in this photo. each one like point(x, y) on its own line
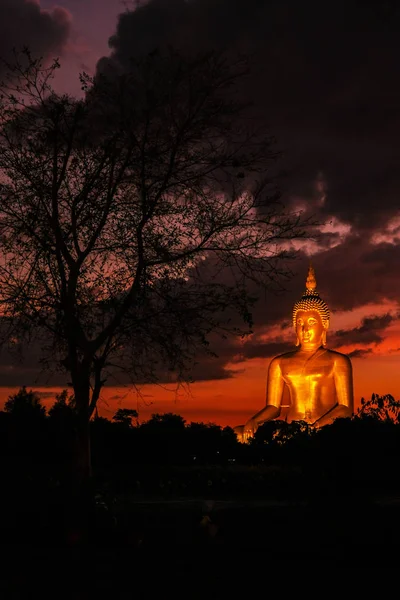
point(25, 405)
point(210, 444)
point(124, 416)
point(167, 422)
point(167, 457)
point(163, 438)
point(64, 408)
point(62, 419)
point(383, 408)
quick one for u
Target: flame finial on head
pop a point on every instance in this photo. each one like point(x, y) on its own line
point(311, 300)
point(311, 282)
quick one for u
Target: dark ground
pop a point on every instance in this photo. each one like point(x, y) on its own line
point(201, 548)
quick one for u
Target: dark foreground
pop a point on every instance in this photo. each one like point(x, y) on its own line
point(202, 548)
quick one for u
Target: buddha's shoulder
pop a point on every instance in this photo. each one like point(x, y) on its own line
point(285, 356)
point(337, 355)
point(334, 355)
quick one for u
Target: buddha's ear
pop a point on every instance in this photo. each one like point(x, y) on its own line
point(325, 324)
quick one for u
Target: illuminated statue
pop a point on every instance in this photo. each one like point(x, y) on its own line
point(320, 381)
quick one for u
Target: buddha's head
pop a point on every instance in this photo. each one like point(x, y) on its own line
point(311, 316)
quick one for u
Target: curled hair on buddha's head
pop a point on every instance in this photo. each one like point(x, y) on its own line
point(311, 300)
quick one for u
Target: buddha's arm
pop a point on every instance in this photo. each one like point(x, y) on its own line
point(275, 384)
point(272, 408)
point(343, 378)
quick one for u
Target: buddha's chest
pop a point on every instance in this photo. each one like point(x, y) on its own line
point(299, 371)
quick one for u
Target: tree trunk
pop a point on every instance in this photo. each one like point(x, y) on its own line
point(80, 508)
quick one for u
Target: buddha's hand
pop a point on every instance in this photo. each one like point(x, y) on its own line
point(249, 429)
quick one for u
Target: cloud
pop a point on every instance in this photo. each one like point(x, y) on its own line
point(357, 273)
point(45, 395)
point(369, 332)
point(324, 77)
point(359, 353)
point(23, 23)
point(212, 369)
point(268, 349)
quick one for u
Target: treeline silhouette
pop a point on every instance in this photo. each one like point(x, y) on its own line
point(165, 457)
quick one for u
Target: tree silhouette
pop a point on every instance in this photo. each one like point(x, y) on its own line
point(62, 428)
point(26, 439)
point(208, 442)
point(165, 422)
point(163, 437)
point(383, 408)
point(25, 405)
point(124, 416)
point(133, 222)
point(63, 408)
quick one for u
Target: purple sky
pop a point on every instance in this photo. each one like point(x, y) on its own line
point(92, 23)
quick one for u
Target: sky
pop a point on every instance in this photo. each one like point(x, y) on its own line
point(326, 77)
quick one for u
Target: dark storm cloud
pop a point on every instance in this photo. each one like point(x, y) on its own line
point(360, 353)
point(24, 23)
point(29, 371)
point(325, 76)
point(20, 375)
point(356, 273)
point(118, 397)
point(213, 369)
point(23, 365)
point(352, 274)
point(267, 350)
point(326, 80)
point(228, 352)
point(369, 332)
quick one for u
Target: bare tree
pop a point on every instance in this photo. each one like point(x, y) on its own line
point(132, 221)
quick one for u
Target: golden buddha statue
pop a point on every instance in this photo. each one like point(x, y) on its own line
point(319, 381)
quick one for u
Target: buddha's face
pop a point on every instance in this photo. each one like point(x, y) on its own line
point(309, 328)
